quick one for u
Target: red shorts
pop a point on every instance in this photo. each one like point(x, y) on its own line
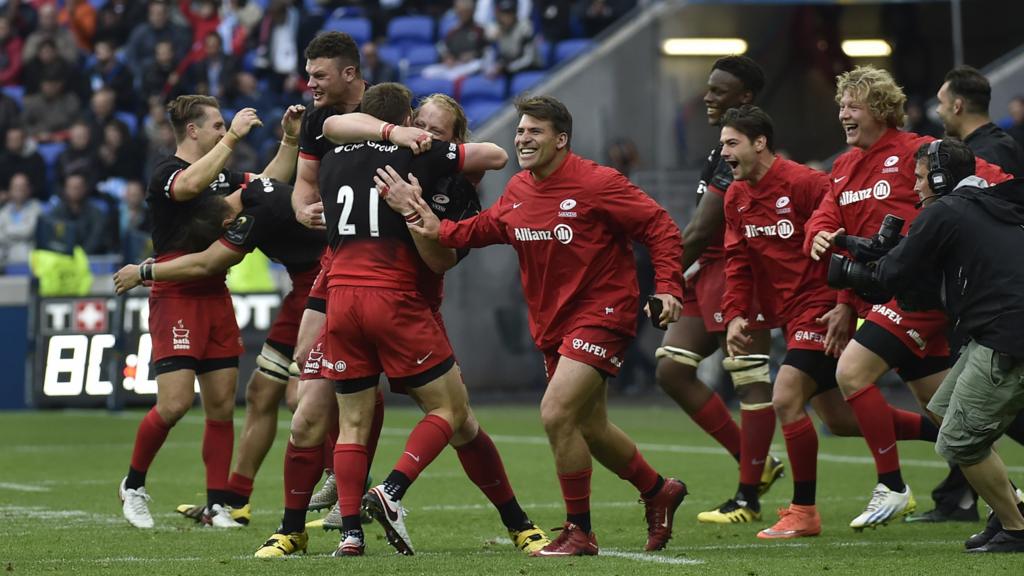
point(592, 345)
point(285, 330)
point(923, 333)
point(373, 330)
point(702, 298)
point(318, 289)
point(200, 328)
point(804, 333)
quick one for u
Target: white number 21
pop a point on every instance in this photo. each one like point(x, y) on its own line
point(346, 195)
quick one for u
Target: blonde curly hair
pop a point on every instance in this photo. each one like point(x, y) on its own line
point(460, 131)
point(877, 89)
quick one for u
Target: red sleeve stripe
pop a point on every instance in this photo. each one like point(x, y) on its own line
point(233, 247)
point(462, 157)
point(308, 156)
point(170, 188)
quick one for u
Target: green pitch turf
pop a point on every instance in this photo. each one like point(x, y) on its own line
point(59, 511)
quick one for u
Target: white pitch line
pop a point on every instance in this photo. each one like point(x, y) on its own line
point(630, 555)
point(22, 487)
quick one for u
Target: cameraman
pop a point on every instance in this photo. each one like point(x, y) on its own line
point(971, 234)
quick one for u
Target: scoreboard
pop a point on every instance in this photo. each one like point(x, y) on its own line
point(85, 347)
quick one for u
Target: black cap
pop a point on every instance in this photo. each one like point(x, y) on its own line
point(506, 5)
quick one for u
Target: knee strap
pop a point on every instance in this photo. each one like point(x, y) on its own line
point(273, 365)
point(747, 369)
point(684, 357)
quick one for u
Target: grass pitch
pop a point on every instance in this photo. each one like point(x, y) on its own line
point(59, 511)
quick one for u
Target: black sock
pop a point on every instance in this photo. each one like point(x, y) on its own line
point(136, 479)
point(581, 520)
point(929, 431)
point(216, 497)
point(512, 515)
point(396, 484)
point(294, 520)
point(234, 499)
point(1018, 534)
point(803, 492)
point(893, 480)
point(654, 491)
point(748, 494)
point(350, 523)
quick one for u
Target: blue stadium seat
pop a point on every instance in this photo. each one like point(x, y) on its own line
point(421, 86)
point(482, 89)
point(480, 112)
point(411, 30)
point(390, 54)
point(568, 49)
point(358, 28)
point(448, 21)
point(17, 93)
point(524, 81)
point(130, 120)
point(544, 54)
point(50, 151)
point(97, 4)
point(17, 269)
point(419, 55)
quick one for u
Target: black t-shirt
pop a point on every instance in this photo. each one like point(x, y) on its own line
point(992, 144)
point(171, 218)
point(312, 142)
point(267, 222)
point(371, 242)
point(351, 201)
point(454, 198)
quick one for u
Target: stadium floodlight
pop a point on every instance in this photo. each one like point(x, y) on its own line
point(866, 48)
point(703, 46)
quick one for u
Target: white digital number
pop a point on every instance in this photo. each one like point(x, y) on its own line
point(93, 385)
point(56, 365)
point(345, 197)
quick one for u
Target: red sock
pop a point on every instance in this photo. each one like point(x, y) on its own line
point(483, 466)
point(350, 464)
point(875, 418)
point(425, 442)
point(375, 427)
point(715, 419)
point(639, 473)
point(302, 469)
point(907, 425)
point(148, 440)
point(218, 442)
point(241, 485)
point(802, 447)
point(330, 439)
point(576, 491)
point(757, 428)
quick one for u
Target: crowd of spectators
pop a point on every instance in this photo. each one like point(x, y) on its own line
point(85, 84)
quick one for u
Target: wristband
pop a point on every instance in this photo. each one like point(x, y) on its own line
point(290, 140)
point(413, 218)
point(386, 132)
point(233, 133)
point(285, 142)
point(146, 272)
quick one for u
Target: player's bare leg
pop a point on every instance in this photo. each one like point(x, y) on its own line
point(793, 388)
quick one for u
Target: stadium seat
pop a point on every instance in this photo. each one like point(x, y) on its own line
point(568, 49)
point(390, 54)
point(17, 93)
point(448, 21)
point(418, 56)
point(421, 86)
point(404, 30)
point(17, 269)
point(482, 89)
point(358, 28)
point(544, 54)
point(130, 120)
point(480, 112)
point(524, 81)
point(50, 151)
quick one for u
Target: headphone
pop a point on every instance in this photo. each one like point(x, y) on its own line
point(939, 178)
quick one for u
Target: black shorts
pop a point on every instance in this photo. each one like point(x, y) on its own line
point(816, 364)
point(398, 385)
point(897, 355)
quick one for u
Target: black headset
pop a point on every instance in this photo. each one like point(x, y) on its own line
point(939, 178)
